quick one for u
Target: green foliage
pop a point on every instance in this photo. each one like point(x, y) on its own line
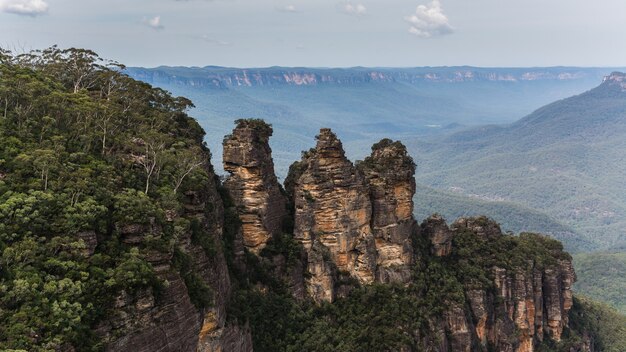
point(604, 324)
point(85, 151)
point(200, 293)
point(602, 276)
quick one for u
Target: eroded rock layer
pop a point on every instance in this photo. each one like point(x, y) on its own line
point(252, 183)
point(521, 306)
point(390, 172)
point(332, 209)
point(170, 321)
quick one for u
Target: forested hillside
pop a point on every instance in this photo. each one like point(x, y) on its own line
point(565, 159)
point(85, 152)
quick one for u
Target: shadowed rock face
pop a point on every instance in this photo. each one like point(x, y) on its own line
point(332, 209)
point(390, 172)
point(439, 234)
point(252, 183)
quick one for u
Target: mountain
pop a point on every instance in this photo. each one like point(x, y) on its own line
point(565, 159)
point(117, 235)
point(363, 105)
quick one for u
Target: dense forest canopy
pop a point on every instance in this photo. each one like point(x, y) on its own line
point(83, 150)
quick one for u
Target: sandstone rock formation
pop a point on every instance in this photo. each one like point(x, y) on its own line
point(527, 303)
point(355, 226)
point(389, 172)
point(252, 183)
point(333, 214)
point(437, 231)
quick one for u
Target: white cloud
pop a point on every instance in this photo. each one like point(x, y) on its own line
point(154, 22)
point(354, 9)
point(429, 21)
point(24, 7)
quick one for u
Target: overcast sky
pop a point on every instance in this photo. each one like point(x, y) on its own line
point(338, 33)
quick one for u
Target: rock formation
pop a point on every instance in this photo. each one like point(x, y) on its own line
point(390, 171)
point(524, 304)
point(332, 216)
point(355, 226)
point(252, 183)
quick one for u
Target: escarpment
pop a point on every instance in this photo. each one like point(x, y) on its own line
point(180, 316)
point(123, 238)
point(337, 229)
point(252, 183)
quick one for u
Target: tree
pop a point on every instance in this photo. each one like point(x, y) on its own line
point(184, 162)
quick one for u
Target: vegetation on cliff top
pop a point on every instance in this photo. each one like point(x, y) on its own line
point(84, 152)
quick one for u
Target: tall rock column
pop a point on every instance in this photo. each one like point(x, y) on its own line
point(390, 171)
point(252, 183)
point(332, 216)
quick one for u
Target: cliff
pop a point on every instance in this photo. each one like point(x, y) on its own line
point(225, 78)
point(355, 225)
point(252, 183)
point(174, 319)
point(389, 172)
point(522, 301)
point(332, 218)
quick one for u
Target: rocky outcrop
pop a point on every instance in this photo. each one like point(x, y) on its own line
point(170, 321)
point(389, 172)
point(437, 231)
point(355, 226)
point(522, 306)
point(332, 215)
point(252, 183)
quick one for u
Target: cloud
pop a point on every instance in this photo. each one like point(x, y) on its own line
point(287, 8)
point(354, 9)
point(154, 22)
point(429, 21)
point(24, 7)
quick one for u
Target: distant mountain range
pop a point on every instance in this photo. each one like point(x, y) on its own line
point(363, 104)
point(567, 159)
point(225, 77)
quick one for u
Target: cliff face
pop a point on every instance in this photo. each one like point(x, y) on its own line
point(389, 172)
point(252, 183)
point(169, 321)
point(519, 308)
point(225, 78)
point(332, 217)
point(355, 226)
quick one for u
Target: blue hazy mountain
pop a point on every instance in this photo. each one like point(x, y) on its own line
point(566, 159)
point(363, 104)
point(464, 125)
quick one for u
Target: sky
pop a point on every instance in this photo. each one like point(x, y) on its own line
point(325, 33)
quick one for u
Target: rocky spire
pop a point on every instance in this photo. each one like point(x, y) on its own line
point(332, 215)
point(390, 172)
point(252, 182)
